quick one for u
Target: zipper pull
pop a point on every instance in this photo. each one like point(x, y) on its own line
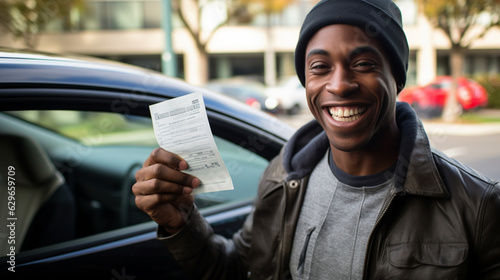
point(302, 258)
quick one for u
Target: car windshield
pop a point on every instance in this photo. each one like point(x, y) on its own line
point(442, 85)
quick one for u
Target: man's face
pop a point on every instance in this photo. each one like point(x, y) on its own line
point(349, 86)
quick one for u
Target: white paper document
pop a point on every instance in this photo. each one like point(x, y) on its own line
point(181, 126)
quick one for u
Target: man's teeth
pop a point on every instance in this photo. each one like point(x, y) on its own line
point(346, 114)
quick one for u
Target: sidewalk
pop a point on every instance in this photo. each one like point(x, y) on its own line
point(460, 129)
point(464, 129)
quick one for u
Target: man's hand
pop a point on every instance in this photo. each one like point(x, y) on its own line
point(163, 192)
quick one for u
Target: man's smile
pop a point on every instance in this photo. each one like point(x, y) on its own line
point(346, 114)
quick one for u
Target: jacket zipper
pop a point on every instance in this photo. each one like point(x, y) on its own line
point(302, 258)
point(370, 239)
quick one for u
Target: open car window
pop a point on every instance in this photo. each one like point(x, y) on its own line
point(95, 156)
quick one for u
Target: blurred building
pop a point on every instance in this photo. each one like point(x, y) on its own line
point(130, 31)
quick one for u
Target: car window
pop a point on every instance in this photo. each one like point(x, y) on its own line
point(441, 85)
point(94, 128)
point(97, 155)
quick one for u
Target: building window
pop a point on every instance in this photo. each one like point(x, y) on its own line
point(475, 63)
point(230, 65)
point(482, 63)
point(116, 15)
point(92, 19)
point(411, 74)
point(152, 14)
point(124, 15)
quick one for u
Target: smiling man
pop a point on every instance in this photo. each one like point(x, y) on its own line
point(357, 193)
point(352, 94)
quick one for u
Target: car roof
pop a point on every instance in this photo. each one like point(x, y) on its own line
point(19, 68)
point(42, 68)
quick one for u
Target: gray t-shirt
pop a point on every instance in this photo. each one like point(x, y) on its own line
point(334, 226)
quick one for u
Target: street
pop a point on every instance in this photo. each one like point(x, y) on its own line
point(480, 151)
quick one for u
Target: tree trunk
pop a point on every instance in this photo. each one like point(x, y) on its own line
point(196, 66)
point(203, 70)
point(452, 109)
point(196, 57)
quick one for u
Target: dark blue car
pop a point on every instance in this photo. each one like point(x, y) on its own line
point(73, 132)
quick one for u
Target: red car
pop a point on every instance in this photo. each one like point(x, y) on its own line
point(430, 99)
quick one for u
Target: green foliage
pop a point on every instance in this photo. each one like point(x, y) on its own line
point(274, 6)
point(457, 17)
point(478, 117)
point(492, 85)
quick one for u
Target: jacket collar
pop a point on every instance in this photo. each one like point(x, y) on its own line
point(416, 172)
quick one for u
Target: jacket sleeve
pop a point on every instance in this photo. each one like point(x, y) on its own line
point(205, 255)
point(488, 237)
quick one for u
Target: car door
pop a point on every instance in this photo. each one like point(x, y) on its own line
point(113, 239)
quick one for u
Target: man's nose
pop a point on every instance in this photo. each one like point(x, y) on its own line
point(341, 82)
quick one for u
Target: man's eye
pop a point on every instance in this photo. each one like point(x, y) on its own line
point(364, 64)
point(317, 66)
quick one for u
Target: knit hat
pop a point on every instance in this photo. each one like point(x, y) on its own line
point(380, 19)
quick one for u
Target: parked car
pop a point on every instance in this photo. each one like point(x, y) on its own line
point(252, 93)
point(73, 132)
point(291, 95)
point(430, 99)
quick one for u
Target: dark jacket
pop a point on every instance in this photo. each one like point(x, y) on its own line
point(441, 219)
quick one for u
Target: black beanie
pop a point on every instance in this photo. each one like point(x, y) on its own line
point(380, 19)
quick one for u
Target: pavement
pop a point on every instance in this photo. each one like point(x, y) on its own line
point(465, 129)
point(461, 129)
point(434, 127)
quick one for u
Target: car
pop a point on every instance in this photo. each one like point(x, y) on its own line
point(73, 132)
point(252, 93)
point(290, 93)
point(429, 100)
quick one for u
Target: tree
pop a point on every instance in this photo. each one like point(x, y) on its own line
point(191, 13)
point(463, 22)
point(25, 19)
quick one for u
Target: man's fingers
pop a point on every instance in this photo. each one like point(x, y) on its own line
point(167, 158)
point(165, 173)
point(164, 192)
point(152, 201)
point(156, 186)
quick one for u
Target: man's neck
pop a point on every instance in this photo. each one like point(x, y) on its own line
point(378, 155)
